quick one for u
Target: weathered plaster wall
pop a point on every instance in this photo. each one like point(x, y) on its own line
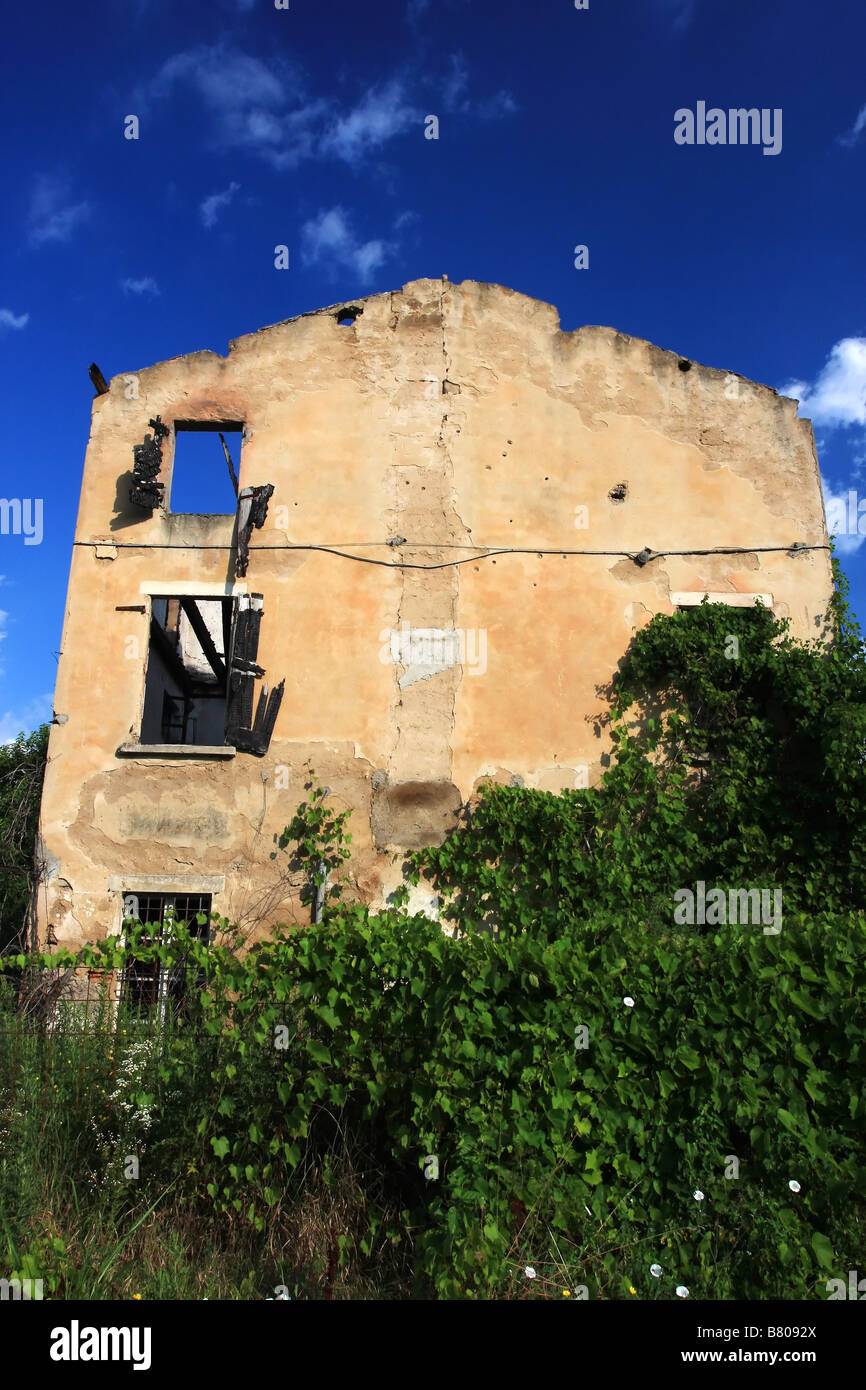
point(454, 416)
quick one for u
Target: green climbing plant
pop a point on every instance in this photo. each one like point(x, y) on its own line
point(321, 846)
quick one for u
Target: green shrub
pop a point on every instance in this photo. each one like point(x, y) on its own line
point(571, 1090)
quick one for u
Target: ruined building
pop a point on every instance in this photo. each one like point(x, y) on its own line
point(451, 517)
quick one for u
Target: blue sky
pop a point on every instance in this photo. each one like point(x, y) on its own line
point(305, 127)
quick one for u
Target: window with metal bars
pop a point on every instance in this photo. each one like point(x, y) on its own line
point(149, 988)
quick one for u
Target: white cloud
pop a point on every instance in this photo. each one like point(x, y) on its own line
point(500, 104)
point(146, 285)
point(836, 399)
point(843, 517)
point(10, 320)
point(249, 106)
point(454, 88)
point(415, 9)
point(225, 79)
point(837, 396)
point(53, 216)
point(380, 115)
point(25, 718)
point(265, 108)
point(329, 238)
point(456, 98)
point(680, 12)
point(853, 135)
point(211, 208)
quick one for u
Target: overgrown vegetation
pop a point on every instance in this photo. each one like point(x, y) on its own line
point(22, 768)
point(575, 1093)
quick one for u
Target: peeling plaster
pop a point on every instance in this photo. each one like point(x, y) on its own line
point(476, 422)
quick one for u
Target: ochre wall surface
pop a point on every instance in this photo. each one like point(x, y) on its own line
point(453, 416)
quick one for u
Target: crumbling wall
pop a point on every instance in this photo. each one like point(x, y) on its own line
point(440, 420)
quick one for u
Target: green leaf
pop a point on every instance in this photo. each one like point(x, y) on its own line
point(813, 1085)
point(804, 1002)
point(689, 1058)
point(823, 1250)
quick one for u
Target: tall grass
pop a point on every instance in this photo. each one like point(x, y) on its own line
point(100, 1189)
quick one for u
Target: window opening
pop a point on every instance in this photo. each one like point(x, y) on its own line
point(205, 468)
point(186, 682)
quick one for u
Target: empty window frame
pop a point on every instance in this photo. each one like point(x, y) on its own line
point(186, 683)
point(203, 685)
point(204, 475)
point(149, 989)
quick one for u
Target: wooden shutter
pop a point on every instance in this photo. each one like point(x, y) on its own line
point(242, 731)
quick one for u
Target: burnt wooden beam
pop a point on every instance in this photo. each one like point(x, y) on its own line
point(205, 641)
point(232, 474)
point(252, 511)
point(100, 385)
point(161, 640)
point(227, 630)
point(147, 460)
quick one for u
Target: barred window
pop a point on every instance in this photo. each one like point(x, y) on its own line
point(149, 987)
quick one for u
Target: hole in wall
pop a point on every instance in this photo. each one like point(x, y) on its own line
point(200, 479)
point(186, 680)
